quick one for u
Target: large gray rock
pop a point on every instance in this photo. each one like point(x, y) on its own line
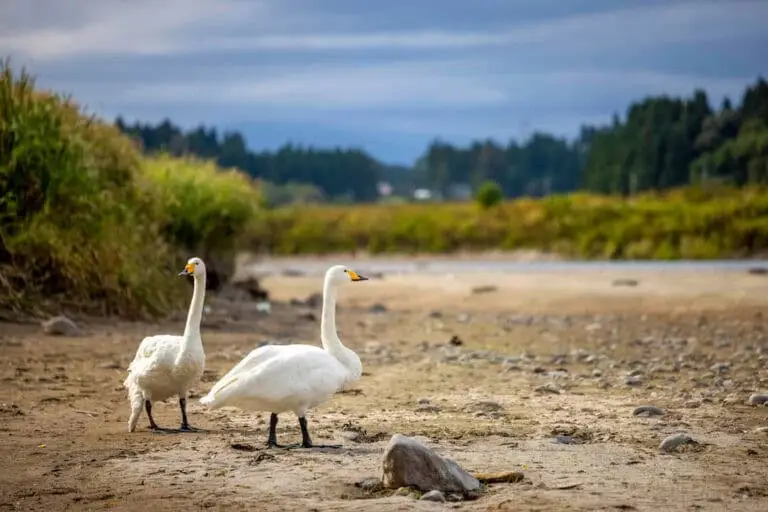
point(408, 463)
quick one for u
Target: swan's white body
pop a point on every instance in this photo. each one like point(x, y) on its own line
point(279, 378)
point(168, 365)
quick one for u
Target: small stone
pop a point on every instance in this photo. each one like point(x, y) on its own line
point(566, 440)
point(422, 401)
point(675, 441)
point(757, 399)
point(487, 405)
point(597, 373)
point(351, 435)
point(60, 326)
point(435, 496)
point(548, 388)
point(633, 380)
point(648, 410)
point(484, 289)
point(435, 314)
point(378, 308)
point(456, 341)
point(427, 408)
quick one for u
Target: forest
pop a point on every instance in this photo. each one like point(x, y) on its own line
point(660, 143)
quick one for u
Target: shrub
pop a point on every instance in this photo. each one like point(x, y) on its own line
point(489, 194)
point(87, 223)
point(204, 209)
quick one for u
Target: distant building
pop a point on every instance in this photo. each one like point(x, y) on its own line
point(459, 191)
point(422, 194)
point(384, 188)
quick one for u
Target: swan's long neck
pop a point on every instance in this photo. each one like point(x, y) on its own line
point(191, 338)
point(330, 337)
point(328, 334)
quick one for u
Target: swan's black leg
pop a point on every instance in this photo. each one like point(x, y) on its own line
point(272, 441)
point(152, 425)
point(306, 441)
point(185, 426)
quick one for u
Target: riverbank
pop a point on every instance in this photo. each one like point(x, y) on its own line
point(540, 374)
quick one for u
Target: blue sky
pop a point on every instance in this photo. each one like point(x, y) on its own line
point(387, 76)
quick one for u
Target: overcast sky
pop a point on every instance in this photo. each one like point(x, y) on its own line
point(388, 76)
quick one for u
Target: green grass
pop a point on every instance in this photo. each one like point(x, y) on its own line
point(688, 223)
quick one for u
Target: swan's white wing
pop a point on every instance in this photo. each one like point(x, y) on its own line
point(155, 356)
point(296, 377)
point(253, 359)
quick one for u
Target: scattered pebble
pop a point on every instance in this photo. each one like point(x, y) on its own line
point(456, 341)
point(484, 289)
point(757, 399)
point(548, 388)
point(675, 441)
point(625, 282)
point(566, 440)
point(435, 496)
point(648, 410)
point(378, 308)
point(61, 326)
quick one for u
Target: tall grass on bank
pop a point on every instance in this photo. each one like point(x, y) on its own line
point(690, 223)
point(86, 221)
point(205, 209)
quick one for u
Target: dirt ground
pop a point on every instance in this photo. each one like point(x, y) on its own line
point(543, 378)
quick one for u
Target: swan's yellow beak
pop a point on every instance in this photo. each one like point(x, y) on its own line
point(354, 276)
point(189, 270)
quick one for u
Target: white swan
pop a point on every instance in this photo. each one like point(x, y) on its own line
point(167, 365)
point(279, 378)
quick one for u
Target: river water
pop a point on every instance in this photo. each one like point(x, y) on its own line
point(444, 266)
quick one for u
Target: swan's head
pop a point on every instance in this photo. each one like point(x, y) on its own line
point(339, 274)
point(194, 267)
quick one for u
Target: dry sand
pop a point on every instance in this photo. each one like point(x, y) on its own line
point(543, 355)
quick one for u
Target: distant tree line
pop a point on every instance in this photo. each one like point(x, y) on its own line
point(663, 142)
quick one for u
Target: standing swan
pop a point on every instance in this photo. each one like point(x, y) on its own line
point(166, 365)
point(278, 378)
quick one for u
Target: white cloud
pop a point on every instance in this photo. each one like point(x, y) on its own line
point(424, 85)
point(416, 84)
point(169, 27)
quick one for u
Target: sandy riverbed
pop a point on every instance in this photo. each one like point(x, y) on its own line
point(695, 340)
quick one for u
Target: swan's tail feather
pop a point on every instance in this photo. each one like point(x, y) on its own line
point(137, 401)
point(215, 398)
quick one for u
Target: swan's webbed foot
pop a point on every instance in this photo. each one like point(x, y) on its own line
point(190, 428)
point(311, 445)
point(306, 440)
point(160, 430)
point(274, 444)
